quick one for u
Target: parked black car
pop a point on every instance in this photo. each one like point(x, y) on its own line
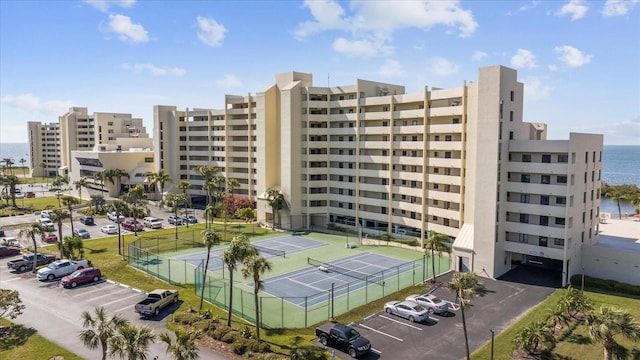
point(87, 220)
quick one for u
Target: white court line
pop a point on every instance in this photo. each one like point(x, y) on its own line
point(400, 322)
point(307, 285)
point(380, 332)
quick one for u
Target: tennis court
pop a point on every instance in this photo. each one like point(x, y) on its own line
point(281, 246)
point(312, 285)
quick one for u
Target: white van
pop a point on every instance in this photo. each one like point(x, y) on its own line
point(153, 223)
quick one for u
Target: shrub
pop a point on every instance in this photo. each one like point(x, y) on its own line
point(202, 325)
point(230, 337)
point(255, 346)
point(609, 285)
point(246, 332)
point(206, 314)
point(239, 347)
point(221, 331)
point(185, 318)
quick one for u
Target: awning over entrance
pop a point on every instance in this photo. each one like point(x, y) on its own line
point(464, 240)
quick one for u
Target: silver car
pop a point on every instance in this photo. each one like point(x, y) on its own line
point(431, 302)
point(407, 309)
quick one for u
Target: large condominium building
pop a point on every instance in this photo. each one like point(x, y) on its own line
point(373, 158)
point(44, 148)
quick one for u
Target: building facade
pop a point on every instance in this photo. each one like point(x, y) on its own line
point(44, 148)
point(371, 158)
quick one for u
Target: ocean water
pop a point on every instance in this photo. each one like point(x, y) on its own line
point(620, 165)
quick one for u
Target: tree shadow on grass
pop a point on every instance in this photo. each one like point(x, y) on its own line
point(579, 339)
point(97, 251)
point(14, 336)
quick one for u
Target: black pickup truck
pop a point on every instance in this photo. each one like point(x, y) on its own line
point(26, 263)
point(343, 337)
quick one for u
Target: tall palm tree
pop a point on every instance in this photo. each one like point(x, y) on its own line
point(605, 324)
point(556, 316)
point(79, 184)
point(238, 250)
point(275, 198)
point(150, 178)
point(232, 184)
point(136, 212)
point(31, 231)
point(100, 329)
point(573, 301)
point(98, 201)
point(534, 335)
point(131, 342)
point(616, 193)
point(210, 238)
point(174, 201)
point(185, 185)
point(11, 182)
point(255, 266)
point(69, 202)
point(436, 243)
point(161, 178)
point(119, 207)
point(466, 285)
point(209, 213)
point(114, 176)
point(8, 163)
point(100, 176)
point(57, 216)
point(184, 346)
point(207, 173)
point(24, 168)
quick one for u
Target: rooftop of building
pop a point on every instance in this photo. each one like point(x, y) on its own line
point(620, 234)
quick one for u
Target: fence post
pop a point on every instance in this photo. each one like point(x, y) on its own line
point(305, 311)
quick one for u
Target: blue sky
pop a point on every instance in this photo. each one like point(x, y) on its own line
point(579, 60)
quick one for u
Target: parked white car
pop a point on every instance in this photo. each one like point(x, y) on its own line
point(408, 310)
point(431, 302)
point(153, 223)
point(109, 229)
point(112, 216)
point(60, 268)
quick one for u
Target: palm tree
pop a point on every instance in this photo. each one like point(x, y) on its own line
point(276, 200)
point(131, 342)
point(100, 329)
point(69, 202)
point(207, 173)
point(119, 207)
point(10, 182)
point(556, 316)
point(185, 185)
point(238, 250)
point(534, 335)
point(209, 213)
point(161, 178)
point(8, 163)
point(136, 212)
point(57, 216)
point(210, 238)
point(465, 285)
point(150, 178)
point(174, 201)
point(573, 301)
point(43, 165)
point(436, 243)
point(24, 168)
point(255, 266)
point(615, 192)
point(79, 184)
point(115, 177)
point(608, 322)
point(98, 201)
point(184, 346)
point(100, 176)
point(31, 231)
point(232, 184)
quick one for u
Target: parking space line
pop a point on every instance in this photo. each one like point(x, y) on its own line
point(120, 299)
point(376, 351)
point(103, 295)
point(97, 288)
point(400, 322)
point(380, 332)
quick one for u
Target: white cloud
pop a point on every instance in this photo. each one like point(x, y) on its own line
point(154, 70)
point(535, 90)
point(211, 33)
point(443, 67)
point(391, 68)
point(529, 6)
point(523, 59)
point(229, 81)
point(621, 132)
point(378, 20)
point(361, 48)
point(576, 8)
point(553, 67)
point(126, 30)
point(618, 7)
point(103, 5)
point(30, 102)
point(478, 55)
point(572, 57)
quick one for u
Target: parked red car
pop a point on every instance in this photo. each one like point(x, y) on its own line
point(131, 224)
point(9, 250)
point(30, 194)
point(51, 238)
point(81, 276)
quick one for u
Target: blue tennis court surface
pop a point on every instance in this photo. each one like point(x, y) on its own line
point(312, 285)
point(288, 244)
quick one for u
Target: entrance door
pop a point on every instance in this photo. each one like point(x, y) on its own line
point(463, 264)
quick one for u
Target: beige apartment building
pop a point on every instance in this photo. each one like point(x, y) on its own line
point(44, 148)
point(371, 158)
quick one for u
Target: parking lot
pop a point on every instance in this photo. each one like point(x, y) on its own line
point(442, 337)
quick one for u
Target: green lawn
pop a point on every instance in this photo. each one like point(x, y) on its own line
point(30, 205)
point(26, 344)
point(578, 346)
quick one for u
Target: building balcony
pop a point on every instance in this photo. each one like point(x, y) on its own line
point(408, 145)
point(444, 162)
point(539, 230)
point(539, 168)
point(445, 111)
point(374, 115)
point(542, 189)
point(444, 179)
point(406, 160)
point(536, 209)
point(349, 131)
point(444, 196)
point(409, 114)
point(348, 103)
point(445, 128)
point(444, 145)
point(375, 145)
point(408, 130)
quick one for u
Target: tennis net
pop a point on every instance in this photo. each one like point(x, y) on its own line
point(370, 278)
point(266, 250)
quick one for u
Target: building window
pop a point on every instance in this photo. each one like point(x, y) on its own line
point(523, 238)
point(558, 242)
point(447, 154)
point(544, 200)
point(561, 179)
point(546, 158)
point(510, 115)
point(524, 218)
point(525, 178)
point(526, 158)
point(542, 241)
point(560, 221)
point(563, 158)
point(524, 198)
point(544, 220)
point(148, 159)
point(546, 179)
point(510, 135)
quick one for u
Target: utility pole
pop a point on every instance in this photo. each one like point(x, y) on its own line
point(491, 343)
